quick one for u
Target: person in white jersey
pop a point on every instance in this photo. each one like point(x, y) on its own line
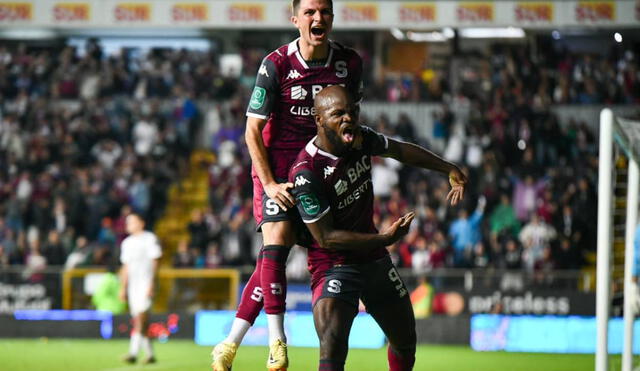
point(139, 255)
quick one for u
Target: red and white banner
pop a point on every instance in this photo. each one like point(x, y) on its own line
point(246, 13)
point(190, 12)
point(132, 12)
point(476, 12)
point(16, 12)
point(417, 13)
point(595, 11)
point(534, 12)
point(275, 14)
point(357, 14)
point(71, 12)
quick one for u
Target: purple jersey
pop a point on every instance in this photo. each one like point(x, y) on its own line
point(284, 92)
point(341, 185)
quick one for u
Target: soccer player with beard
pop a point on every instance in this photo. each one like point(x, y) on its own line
point(349, 260)
point(279, 123)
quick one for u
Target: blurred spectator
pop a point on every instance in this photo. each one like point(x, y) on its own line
point(480, 256)
point(107, 152)
point(570, 227)
point(503, 218)
point(119, 225)
point(79, 255)
point(384, 176)
point(525, 194)
point(35, 263)
point(535, 236)
point(421, 257)
point(465, 233)
point(543, 269)
point(145, 135)
point(60, 219)
point(198, 231)
point(53, 250)
point(567, 256)
point(213, 258)
point(100, 255)
point(183, 258)
point(106, 236)
point(140, 195)
point(512, 279)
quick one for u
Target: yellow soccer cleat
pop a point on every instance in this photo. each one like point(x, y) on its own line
point(278, 360)
point(223, 355)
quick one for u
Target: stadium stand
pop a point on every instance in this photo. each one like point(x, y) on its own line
point(84, 139)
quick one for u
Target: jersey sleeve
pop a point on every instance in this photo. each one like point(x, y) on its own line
point(154, 249)
point(311, 200)
point(265, 93)
point(373, 143)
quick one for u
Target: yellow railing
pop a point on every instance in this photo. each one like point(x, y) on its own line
point(177, 289)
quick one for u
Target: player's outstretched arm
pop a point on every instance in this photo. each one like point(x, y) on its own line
point(412, 154)
point(337, 239)
point(279, 192)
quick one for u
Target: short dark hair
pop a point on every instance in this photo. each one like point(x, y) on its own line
point(137, 215)
point(295, 4)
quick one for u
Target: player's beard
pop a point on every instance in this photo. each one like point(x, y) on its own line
point(335, 141)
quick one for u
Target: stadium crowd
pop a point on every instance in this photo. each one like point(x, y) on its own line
point(545, 77)
point(85, 139)
point(77, 154)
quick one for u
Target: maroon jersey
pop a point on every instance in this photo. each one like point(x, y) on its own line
point(341, 185)
point(285, 87)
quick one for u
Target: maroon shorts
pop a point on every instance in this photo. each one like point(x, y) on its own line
point(265, 209)
point(376, 283)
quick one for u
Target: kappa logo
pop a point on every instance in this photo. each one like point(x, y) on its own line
point(293, 74)
point(263, 70)
point(328, 171)
point(298, 93)
point(300, 181)
point(341, 186)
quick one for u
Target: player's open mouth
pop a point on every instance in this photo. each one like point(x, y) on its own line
point(348, 134)
point(318, 31)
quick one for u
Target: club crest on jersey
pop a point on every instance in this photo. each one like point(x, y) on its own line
point(300, 181)
point(298, 93)
point(341, 186)
point(293, 74)
point(263, 70)
point(328, 171)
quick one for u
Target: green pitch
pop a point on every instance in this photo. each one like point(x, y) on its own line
point(181, 355)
